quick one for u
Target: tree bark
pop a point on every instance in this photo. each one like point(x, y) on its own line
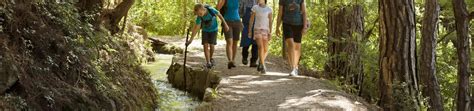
point(111, 18)
point(463, 51)
point(398, 79)
point(345, 30)
point(428, 56)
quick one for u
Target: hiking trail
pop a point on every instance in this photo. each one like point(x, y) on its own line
point(243, 88)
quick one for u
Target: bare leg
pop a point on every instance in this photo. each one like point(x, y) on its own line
point(229, 49)
point(290, 51)
point(265, 49)
point(297, 55)
point(212, 50)
point(206, 52)
point(261, 53)
point(234, 49)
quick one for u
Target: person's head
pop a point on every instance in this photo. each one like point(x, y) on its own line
point(199, 10)
point(262, 1)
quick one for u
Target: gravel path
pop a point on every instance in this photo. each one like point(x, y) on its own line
point(243, 88)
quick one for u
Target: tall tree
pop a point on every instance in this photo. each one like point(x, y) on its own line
point(463, 50)
point(428, 55)
point(345, 32)
point(398, 79)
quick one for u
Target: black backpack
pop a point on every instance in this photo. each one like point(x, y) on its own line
point(207, 23)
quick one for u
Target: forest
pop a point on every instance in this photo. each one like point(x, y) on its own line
point(394, 55)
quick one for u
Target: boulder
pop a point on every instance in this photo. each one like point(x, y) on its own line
point(197, 78)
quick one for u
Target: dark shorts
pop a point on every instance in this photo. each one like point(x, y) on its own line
point(293, 31)
point(235, 28)
point(209, 38)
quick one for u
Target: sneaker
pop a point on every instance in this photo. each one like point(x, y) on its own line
point(233, 65)
point(294, 72)
point(263, 70)
point(229, 65)
point(213, 63)
point(209, 66)
point(259, 68)
point(245, 61)
point(253, 63)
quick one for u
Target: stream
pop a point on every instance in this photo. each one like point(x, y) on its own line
point(169, 97)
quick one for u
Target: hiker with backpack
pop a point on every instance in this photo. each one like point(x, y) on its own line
point(247, 40)
point(230, 10)
point(295, 24)
point(206, 20)
point(262, 15)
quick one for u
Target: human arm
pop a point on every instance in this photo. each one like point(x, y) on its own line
point(220, 4)
point(251, 21)
point(305, 18)
point(279, 20)
point(193, 33)
point(270, 18)
point(226, 27)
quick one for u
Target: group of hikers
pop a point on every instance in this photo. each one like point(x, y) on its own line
point(251, 19)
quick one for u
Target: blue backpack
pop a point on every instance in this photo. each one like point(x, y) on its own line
point(208, 23)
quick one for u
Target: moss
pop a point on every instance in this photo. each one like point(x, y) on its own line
point(67, 64)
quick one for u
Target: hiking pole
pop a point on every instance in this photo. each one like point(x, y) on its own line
point(185, 56)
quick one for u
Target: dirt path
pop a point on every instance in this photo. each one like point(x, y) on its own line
point(243, 88)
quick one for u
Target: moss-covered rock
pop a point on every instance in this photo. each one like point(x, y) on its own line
point(197, 78)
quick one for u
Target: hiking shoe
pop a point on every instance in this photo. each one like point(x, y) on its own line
point(253, 64)
point(209, 65)
point(245, 61)
point(229, 65)
point(233, 65)
point(213, 63)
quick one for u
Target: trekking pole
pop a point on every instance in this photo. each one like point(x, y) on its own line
point(185, 56)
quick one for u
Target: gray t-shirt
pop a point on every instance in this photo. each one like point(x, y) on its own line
point(292, 11)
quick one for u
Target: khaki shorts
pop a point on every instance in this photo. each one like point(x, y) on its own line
point(235, 28)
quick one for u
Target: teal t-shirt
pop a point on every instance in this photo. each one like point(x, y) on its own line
point(208, 22)
point(292, 12)
point(232, 12)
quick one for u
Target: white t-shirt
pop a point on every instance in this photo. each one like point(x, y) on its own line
point(261, 17)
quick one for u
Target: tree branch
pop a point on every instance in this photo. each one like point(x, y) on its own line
point(445, 36)
point(368, 33)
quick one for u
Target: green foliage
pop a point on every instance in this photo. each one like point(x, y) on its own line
point(163, 17)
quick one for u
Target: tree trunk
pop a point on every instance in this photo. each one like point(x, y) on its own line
point(398, 79)
point(428, 56)
point(463, 51)
point(345, 30)
point(112, 18)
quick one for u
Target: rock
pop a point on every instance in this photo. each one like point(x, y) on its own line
point(164, 48)
point(198, 79)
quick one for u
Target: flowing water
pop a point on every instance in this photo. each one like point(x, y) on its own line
point(170, 98)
